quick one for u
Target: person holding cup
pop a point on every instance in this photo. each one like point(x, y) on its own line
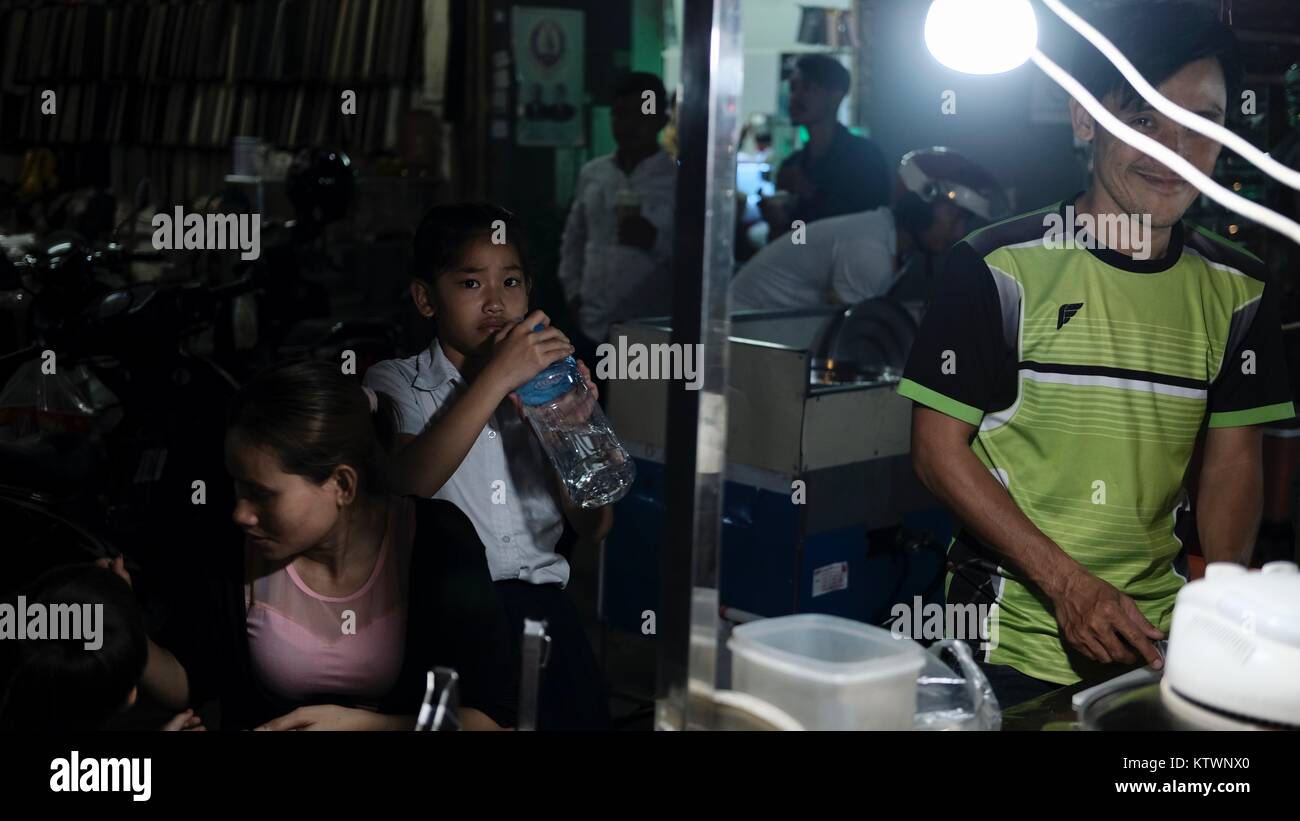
point(615, 259)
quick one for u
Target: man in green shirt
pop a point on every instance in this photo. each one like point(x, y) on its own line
point(1071, 363)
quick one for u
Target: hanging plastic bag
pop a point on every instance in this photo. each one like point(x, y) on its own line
point(952, 692)
point(37, 402)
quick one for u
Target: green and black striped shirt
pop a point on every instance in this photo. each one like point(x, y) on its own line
point(1089, 376)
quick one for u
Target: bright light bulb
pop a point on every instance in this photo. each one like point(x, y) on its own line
point(981, 36)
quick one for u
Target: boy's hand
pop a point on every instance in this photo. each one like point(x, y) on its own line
point(519, 353)
point(188, 721)
point(589, 402)
point(586, 376)
point(117, 565)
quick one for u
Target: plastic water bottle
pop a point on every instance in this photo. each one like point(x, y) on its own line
point(576, 435)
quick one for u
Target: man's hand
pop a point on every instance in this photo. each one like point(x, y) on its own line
point(637, 232)
point(793, 179)
point(1096, 619)
point(330, 717)
point(774, 214)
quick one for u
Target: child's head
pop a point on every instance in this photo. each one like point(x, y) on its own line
point(471, 273)
point(61, 685)
point(304, 447)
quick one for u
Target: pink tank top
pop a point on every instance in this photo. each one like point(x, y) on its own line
point(304, 644)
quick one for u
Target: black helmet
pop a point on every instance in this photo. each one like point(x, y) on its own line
point(321, 184)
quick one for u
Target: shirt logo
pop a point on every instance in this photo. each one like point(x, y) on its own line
point(1067, 313)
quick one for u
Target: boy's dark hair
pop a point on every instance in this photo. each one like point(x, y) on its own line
point(1158, 38)
point(823, 71)
point(314, 418)
point(446, 230)
point(57, 685)
point(638, 82)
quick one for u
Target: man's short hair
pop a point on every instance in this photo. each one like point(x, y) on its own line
point(823, 71)
point(639, 82)
point(1158, 38)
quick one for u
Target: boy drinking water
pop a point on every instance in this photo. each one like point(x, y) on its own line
point(462, 438)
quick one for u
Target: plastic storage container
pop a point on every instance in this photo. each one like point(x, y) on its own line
point(594, 466)
point(828, 673)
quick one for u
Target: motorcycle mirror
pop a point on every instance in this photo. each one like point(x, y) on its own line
point(142, 194)
point(10, 280)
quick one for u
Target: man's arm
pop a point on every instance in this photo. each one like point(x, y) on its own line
point(1092, 614)
point(573, 246)
point(1250, 390)
point(948, 467)
point(1230, 495)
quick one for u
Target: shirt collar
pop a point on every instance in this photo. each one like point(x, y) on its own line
point(433, 369)
point(653, 163)
point(1125, 262)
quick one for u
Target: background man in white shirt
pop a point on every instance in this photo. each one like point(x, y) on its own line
point(616, 256)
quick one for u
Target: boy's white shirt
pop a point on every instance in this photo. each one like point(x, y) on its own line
point(506, 464)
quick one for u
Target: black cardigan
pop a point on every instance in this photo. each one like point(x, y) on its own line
point(454, 619)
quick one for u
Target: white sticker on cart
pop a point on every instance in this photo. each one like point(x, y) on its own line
point(829, 578)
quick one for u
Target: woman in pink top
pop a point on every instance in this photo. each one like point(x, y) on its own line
point(343, 595)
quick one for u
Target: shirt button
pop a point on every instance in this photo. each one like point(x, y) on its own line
point(492, 434)
point(505, 538)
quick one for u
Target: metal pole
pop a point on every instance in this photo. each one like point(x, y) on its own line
point(708, 133)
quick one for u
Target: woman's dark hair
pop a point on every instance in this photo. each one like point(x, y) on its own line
point(1158, 38)
point(315, 418)
point(446, 230)
point(59, 685)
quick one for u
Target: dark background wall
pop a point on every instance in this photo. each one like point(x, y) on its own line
point(992, 124)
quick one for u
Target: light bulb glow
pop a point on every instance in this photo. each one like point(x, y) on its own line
point(981, 36)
